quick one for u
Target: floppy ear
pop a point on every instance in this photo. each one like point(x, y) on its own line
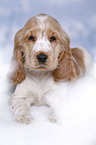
point(16, 71)
point(65, 69)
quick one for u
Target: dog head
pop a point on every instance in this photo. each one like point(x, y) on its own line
point(42, 45)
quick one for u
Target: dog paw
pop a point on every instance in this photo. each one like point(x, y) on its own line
point(24, 119)
point(52, 118)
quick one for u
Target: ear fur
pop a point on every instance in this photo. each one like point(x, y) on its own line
point(16, 71)
point(65, 70)
point(78, 60)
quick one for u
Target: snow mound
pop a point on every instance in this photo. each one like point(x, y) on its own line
point(76, 109)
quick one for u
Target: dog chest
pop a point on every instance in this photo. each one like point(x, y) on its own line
point(40, 85)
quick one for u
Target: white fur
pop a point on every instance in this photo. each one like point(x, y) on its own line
point(33, 90)
point(42, 44)
point(42, 20)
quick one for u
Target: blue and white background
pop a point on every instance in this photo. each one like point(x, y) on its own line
point(78, 19)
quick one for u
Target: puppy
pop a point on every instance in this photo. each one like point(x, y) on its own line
point(42, 58)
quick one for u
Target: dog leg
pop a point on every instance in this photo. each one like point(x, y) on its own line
point(20, 107)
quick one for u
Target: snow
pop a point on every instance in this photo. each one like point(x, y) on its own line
point(76, 109)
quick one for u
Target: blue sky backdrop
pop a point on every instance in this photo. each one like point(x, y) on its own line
point(77, 18)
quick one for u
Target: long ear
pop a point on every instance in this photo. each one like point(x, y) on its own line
point(16, 71)
point(65, 70)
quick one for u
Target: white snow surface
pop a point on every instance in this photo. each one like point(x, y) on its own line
point(75, 104)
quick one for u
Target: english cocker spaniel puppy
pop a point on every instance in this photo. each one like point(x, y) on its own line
point(42, 58)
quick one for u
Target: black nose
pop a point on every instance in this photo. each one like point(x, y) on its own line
point(42, 58)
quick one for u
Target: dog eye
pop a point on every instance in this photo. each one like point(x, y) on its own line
point(31, 38)
point(52, 38)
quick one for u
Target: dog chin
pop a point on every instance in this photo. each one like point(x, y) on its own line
point(45, 68)
point(40, 67)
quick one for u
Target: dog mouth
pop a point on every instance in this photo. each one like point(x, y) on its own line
point(41, 67)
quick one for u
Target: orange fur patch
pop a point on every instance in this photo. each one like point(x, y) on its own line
point(65, 69)
point(79, 57)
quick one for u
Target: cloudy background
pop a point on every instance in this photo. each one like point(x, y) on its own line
point(77, 17)
point(77, 101)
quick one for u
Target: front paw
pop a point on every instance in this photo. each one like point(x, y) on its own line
point(24, 119)
point(52, 118)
